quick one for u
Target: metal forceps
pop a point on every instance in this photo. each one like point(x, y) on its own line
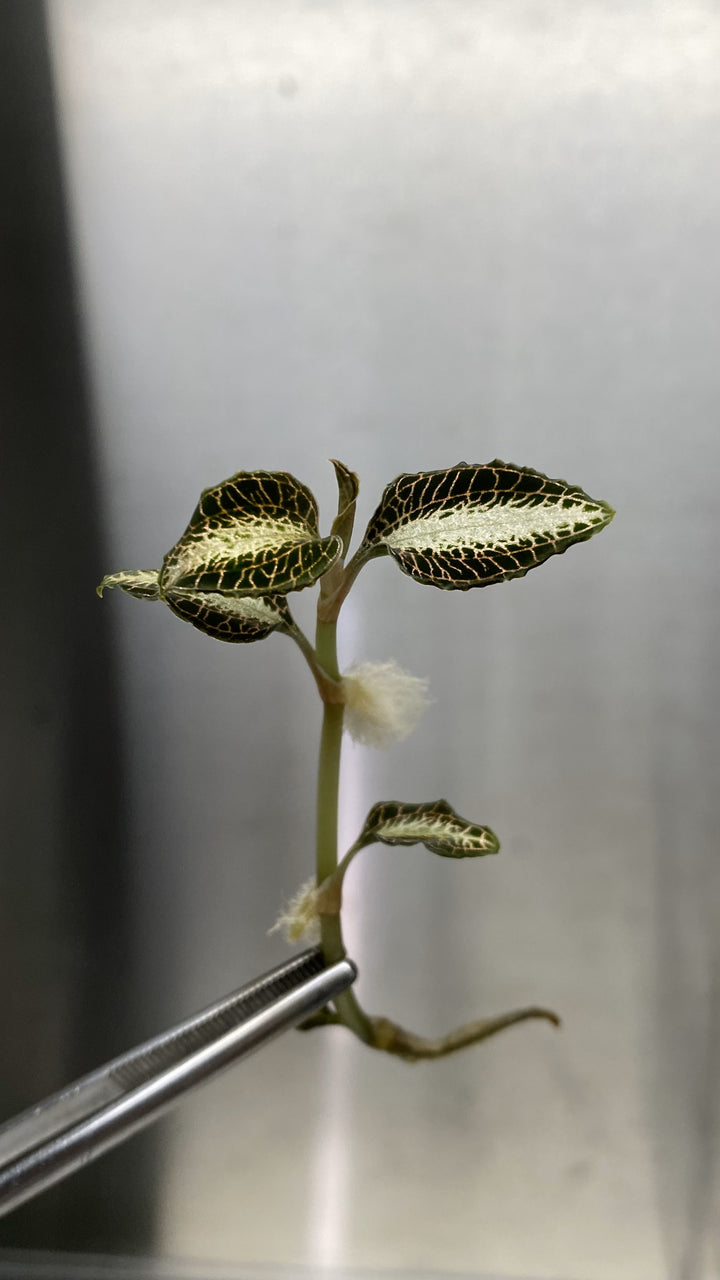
point(53, 1139)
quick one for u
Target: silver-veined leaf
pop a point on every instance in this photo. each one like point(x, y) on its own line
point(435, 825)
point(255, 534)
point(140, 583)
point(470, 526)
point(237, 619)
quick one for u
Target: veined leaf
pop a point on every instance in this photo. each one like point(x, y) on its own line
point(255, 534)
point(435, 825)
point(470, 526)
point(141, 583)
point(239, 620)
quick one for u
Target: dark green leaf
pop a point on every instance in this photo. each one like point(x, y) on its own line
point(470, 526)
point(255, 534)
point(239, 620)
point(435, 825)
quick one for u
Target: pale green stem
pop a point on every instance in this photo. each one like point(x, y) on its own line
point(331, 600)
point(327, 817)
point(329, 687)
point(347, 859)
point(333, 886)
point(379, 1033)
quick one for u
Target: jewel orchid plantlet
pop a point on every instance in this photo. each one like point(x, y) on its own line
point(254, 539)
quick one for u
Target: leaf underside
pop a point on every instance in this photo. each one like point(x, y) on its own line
point(435, 825)
point(255, 534)
point(140, 583)
point(470, 526)
point(238, 620)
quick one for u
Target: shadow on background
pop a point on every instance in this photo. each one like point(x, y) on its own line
point(66, 914)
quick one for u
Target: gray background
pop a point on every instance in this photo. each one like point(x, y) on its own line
point(405, 234)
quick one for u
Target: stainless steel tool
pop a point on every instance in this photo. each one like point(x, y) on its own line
point(67, 1130)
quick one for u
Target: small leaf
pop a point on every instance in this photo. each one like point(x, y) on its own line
point(255, 534)
point(239, 620)
point(436, 825)
point(470, 526)
point(348, 485)
point(348, 488)
point(141, 583)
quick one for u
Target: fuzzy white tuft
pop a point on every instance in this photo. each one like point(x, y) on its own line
point(299, 919)
point(383, 703)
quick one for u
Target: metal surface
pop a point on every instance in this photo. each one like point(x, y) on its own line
point(399, 233)
point(31, 1266)
point(90, 1117)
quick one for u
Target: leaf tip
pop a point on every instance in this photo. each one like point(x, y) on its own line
point(140, 583)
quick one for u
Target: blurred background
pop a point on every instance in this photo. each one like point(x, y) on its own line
point(245, 235)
